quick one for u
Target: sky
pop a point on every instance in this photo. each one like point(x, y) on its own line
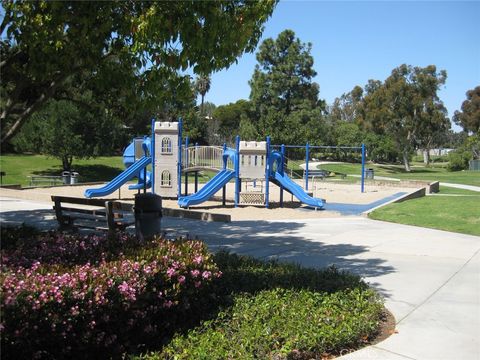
point(354, 41)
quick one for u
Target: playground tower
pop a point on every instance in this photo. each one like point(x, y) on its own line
point(166, 159)
point(253, 160)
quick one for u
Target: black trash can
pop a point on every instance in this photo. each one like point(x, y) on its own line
point(369, 174)
point(148, 215)
point(66, 175)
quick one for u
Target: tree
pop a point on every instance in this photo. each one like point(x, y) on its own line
point(348, 107)
point(229, 117)
point(407, 107)
point(63, 130)
point(46, 43)
point(283, 94)
point(202, 86)
point(469, 117)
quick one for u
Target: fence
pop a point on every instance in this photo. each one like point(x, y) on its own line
point(474, 165)
point(204, 157)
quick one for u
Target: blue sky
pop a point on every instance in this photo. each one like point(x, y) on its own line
point(356, 41)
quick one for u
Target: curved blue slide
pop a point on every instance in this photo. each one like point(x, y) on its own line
point(208, 190)
point(296, 190)
point(126, 175)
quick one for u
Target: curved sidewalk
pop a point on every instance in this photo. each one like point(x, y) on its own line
point(430, 278)
point(461, 186)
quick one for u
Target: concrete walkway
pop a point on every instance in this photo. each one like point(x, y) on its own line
point(461, 186)
point(430, 279)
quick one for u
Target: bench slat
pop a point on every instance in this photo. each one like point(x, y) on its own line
point(114, 213)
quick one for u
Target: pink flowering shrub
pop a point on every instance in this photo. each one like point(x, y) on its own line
point(76, 296)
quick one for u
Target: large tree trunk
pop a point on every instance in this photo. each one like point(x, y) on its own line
point(406, 162)
point(426, 157)
point(67, 162)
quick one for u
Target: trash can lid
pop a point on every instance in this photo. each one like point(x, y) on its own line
point(148, 201)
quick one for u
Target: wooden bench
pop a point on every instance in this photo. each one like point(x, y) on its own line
point(98, 214)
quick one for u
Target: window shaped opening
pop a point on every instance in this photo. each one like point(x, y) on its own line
point(166, 179)
point(166, 145)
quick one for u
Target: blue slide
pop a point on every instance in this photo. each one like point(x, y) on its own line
point(128, 174)
point(296, 190)
point(208, 190)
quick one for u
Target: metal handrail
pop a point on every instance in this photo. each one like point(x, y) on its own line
point(208, 157)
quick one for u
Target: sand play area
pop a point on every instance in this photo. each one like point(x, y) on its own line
point(335, 194)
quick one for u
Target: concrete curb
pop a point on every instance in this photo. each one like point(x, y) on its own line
point(195, 215)
point(418, 193)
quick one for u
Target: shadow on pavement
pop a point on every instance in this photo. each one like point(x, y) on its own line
point(291, 241)
point(283, 241)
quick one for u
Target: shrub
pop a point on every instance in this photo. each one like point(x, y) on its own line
point(282, 324)
point(99, 297)
point(274, 310)
point(458, 160)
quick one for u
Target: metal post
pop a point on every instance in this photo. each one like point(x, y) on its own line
point(152, 154)
point(145, 153)
point(267, 175)
point(307, 155)
point(179, 165)
point(224, 195)
point(363, 169)
point(237, 171)
point(186, 164)
point(225, 158)
point(224, 189)
point(196, 181)
point(282, 171)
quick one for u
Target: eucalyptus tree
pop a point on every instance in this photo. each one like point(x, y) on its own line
point(407, 107)
point(469, 117)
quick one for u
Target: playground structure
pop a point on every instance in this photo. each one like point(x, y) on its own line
point(252, 163)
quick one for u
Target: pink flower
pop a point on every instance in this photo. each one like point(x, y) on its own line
point(206, 275)
point(195, 273)
point(168, 304)
point(198, 259)
point(181, 279)
point(171, 272)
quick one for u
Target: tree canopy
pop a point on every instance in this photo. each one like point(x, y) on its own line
point(406, 105)
point(45, 44)
point(283, 94)
point(469, 117)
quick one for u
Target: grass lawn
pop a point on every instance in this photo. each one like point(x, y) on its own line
point(452, 213)
point(419, 172)
point(19, 167)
